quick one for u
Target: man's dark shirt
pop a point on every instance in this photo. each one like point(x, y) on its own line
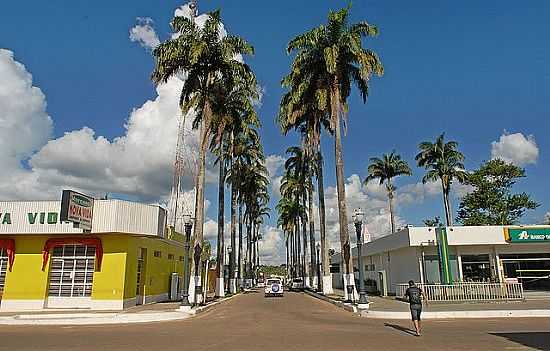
point(415, 296)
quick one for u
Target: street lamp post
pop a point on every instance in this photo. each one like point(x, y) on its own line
point(319, 288)
point(188, 225)
point(358, 220)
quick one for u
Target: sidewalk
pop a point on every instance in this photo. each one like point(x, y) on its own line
point(158, 312)
point(390, 308)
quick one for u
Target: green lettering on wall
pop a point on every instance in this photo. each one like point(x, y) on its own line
point(7, 218)
point(42, 217)
point(32, 217)
point(52, 217)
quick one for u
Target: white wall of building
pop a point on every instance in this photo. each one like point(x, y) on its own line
point(109, 216)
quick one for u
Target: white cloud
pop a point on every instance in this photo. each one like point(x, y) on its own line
point(24, 125)
point(139, 163)
point(370, 199)
point(274, 164)
point(272, 246)
point(515, 148)
point(144, 34)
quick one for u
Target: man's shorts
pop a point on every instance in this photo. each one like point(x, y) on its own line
point(416, 310)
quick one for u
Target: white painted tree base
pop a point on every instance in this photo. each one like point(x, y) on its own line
point(194, 281)
point(232, 285)
point(327, 285)
point(220, 287)
point(349, 279)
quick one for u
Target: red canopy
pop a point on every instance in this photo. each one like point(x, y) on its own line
point(9, 245)
point(51, 243)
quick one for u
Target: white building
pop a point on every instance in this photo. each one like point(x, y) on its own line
point(476, 253)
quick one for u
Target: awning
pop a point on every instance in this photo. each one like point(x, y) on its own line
point(9, 245)
point(51, 243)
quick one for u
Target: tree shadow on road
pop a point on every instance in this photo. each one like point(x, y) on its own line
point(535, 340)
point(401, 329)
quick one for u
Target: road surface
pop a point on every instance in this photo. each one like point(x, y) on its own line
point(294, 322)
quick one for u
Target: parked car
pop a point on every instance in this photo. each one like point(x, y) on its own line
point(297, 284)
point(273, 287)
point(261, 283)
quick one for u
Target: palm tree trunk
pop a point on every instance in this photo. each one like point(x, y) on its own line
point(446, 203)
point(248, 253)
point(221, 221)
point(449, 207)
point(341, 189)
point(298, 248)
point(287, 258)
point(390, 200)
point(240, 269)
point(392, 219)
point(322, 226)
point(258, 247)
point(313, 259)
point(304, 242)
point(199, 203)
point(253, 251)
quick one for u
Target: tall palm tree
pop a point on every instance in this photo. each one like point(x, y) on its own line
point(306, 108)
point(385, 169)
point(337, 50)
point(290, 211)
point(233, 114)
point(443, 162)
point(297, 182)
point(207, 59)
point(246, 153)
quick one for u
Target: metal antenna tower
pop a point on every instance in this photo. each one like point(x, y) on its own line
point(179, 163)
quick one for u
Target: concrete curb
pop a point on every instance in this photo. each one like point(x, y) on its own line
point(343, 305)
point(106, 317)
point(369, 313)
point(458, 314)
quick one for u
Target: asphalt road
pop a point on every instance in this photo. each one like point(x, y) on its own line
point(294, 322)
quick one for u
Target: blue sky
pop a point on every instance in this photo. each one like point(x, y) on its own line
point(475, 70)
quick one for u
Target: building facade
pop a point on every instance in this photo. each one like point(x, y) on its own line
point(128, 258)
point(476, 254)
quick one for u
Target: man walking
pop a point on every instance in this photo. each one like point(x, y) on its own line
point(415, 296)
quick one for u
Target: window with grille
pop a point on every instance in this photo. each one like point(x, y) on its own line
point(72, 270)
point(170, 256)
point(157, 254)
point(3, 269)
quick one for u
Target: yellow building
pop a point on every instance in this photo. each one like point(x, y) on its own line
point(128, 258)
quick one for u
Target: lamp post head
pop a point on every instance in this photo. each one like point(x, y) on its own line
point(187, 220)
point(358, 215)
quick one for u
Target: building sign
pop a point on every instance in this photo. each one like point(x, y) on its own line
point(527, 235)
point(77, 208)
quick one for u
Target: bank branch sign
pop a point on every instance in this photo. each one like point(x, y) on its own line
point(527, 235)
point(77, 208)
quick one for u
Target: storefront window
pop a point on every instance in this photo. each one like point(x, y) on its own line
point(431, 268)
point(476, 268)
point(533, 270)
point(72, 270)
